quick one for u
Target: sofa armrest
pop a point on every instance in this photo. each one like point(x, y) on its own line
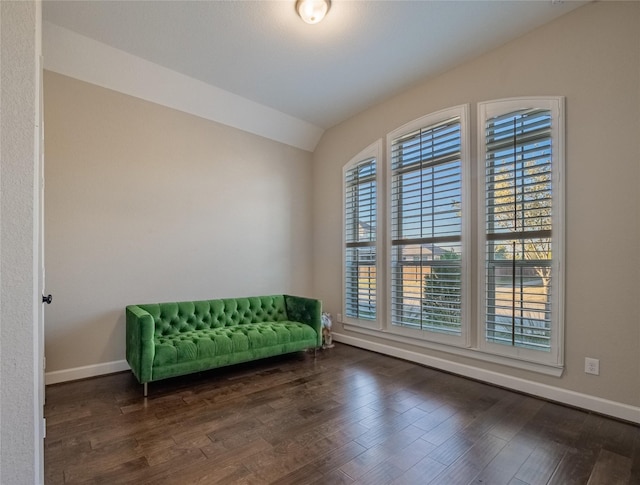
point(140, 345)
point(305, 310)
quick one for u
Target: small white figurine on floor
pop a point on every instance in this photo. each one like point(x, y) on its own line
point(327, 341)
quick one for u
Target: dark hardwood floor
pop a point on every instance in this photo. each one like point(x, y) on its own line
point(347, 416)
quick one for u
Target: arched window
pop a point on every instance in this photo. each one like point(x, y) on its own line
point(361, 226)
point(521, 227)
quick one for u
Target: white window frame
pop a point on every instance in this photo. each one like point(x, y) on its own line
point(372, 151)
point(488, 110)
point(462, 340)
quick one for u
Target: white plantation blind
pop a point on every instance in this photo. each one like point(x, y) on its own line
point(360, 240)
point(518, 224)
point(426, 228)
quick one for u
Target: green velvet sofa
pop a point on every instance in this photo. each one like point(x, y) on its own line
point(172, 339)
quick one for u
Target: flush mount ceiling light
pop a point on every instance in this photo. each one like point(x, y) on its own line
point(312, 11)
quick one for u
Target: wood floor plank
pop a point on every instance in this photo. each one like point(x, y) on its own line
point(577, 463)
point(574, 468)
point(102, 460)
point(334, 459)
point(511, 422)
point(424, 472)
point(381, 474)
point(617, 437)
point(517, 481)
point(191, 468)
point(270, 466)
point(469, 465)
point(207, 472)
point(118, 473)
point(336, 477)
point(364, 462)
point(237, 455)
point(553, 422)
point(448, 428)
point(407, 457)
point(610, 469)
point(541, 463)
point(393, 430)
point(452, 449)
point(487, 419)
point(301, 476)
point(349, 415)
point(635, 457)
point(502, 469)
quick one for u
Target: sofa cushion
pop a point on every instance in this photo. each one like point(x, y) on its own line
point(171, 319)
point(214, 342)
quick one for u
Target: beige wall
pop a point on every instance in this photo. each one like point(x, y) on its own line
point(591, 56)
point(147, 204)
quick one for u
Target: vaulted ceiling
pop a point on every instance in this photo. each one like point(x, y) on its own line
point(362, 53)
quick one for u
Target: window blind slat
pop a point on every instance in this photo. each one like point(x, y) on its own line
point(426, 228)
point(518, 205)
point(360, 240)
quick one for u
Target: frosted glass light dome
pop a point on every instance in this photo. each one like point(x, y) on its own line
point(312, 11)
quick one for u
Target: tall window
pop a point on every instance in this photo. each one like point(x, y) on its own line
point(360, 237)
point(521, 151)
point(407, 273)
point(427, 163)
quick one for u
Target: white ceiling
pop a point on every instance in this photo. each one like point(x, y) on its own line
point(362, 53)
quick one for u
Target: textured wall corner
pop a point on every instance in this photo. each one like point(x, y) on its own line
point(20, 446)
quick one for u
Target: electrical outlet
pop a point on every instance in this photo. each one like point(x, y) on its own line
point(339, 315)
point(592, 366)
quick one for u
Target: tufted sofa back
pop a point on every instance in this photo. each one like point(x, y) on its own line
point(180, 317)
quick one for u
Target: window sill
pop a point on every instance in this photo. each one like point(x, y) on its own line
point(472, 353)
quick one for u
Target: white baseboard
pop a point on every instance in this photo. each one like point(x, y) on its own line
point(85, 371)
point(571, 398)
